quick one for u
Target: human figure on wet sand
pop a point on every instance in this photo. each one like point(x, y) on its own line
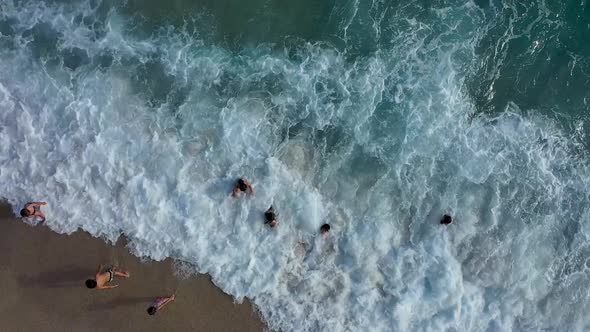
point(106, 276)
point(325, 229)
point(33, 209)
point(159, 303)
point(446, 220)
point(242, 185)
point(270, 217)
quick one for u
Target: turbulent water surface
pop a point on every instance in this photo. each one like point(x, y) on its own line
point(136, 117)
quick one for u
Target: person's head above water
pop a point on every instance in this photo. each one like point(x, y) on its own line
point(25, 213)
point(242, 185)
point(324, 229)
point(152, 310)
point(91, 283)
point(270, 215)
point(446, 219)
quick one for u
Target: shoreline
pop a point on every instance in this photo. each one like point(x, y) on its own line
point(42, 276)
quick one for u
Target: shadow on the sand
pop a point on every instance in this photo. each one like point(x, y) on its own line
point(69, 276)
point(122, 302)
point(5, 210)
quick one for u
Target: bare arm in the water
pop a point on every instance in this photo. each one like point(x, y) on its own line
point(249, 186)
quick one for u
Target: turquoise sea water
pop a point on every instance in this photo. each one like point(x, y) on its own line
point(135, 117)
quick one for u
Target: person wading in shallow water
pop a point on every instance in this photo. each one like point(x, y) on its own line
point(242, 185)
point(33, 209)
point(270, 217)
point(104, 277)
point(159, 303)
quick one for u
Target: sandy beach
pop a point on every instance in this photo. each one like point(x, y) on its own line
point(42, 278)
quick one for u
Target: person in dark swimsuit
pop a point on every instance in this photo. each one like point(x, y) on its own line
point(159, 303)
point(102, 278)
point(111, 274)
point(446, 220)
point(242, 185)
point(33, 209)
point(270, 217)
point(325, 229)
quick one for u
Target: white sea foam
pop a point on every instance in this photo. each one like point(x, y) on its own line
point(380, 147)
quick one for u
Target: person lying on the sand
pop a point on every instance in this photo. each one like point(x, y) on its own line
point(102, 278)
point(159, 303)
point(242, 186)
point(270, 217)
point(33, 209)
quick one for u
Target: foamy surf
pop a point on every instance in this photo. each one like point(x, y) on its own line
point(143, 135)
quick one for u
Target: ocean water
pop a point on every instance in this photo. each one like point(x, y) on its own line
point(136, 117)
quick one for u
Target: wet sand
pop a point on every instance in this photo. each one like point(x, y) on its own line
point(42, 287)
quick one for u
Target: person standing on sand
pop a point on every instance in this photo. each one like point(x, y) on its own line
point(242, 186)
point(159, 303)
point(33, 209)
point(102, 278)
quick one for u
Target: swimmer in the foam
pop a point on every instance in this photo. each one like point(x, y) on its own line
point(33, 209)
point(446, 220)
point(242, 185)
point(325, 229)
point(270, 217)
point(106, 276)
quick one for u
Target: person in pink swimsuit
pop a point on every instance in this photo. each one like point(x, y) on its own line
point(33, 209)
point(159, 303)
